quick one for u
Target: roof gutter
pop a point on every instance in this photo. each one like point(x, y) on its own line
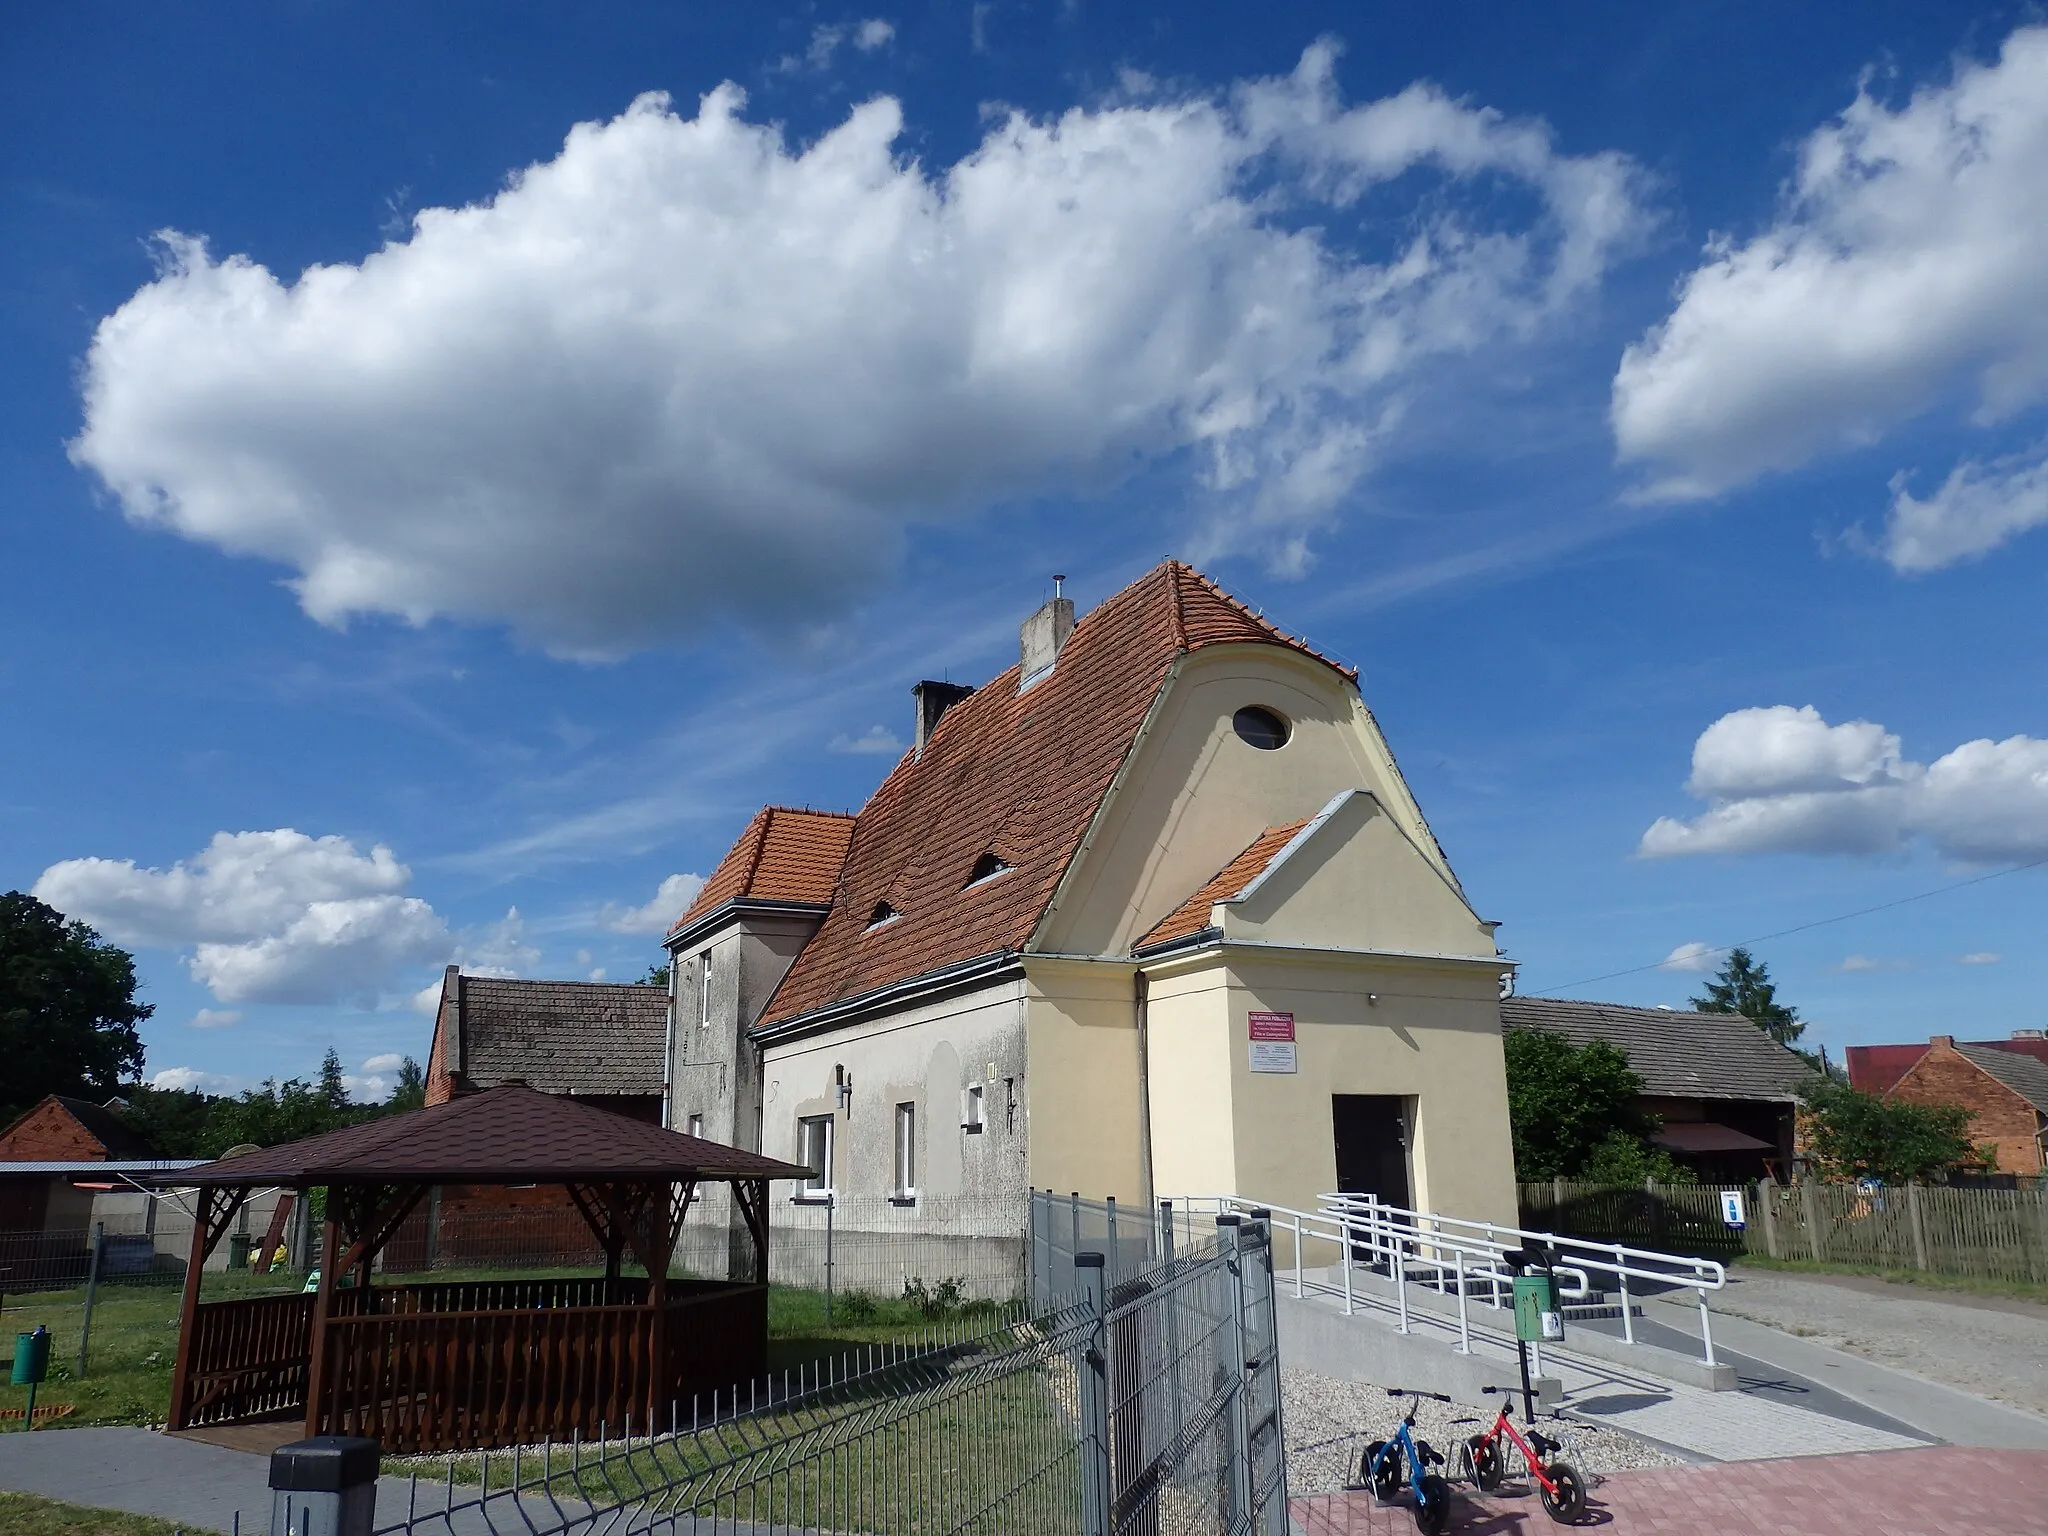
point(961, 976)
point(739, 907)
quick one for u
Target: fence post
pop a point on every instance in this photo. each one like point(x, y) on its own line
point(1262, 1365)
point(831, 1204)
point(1116, 1257)
point(1767, 1209)
point(1919, 1225)
point(92, 1289)
point(1094, 1382)
point(1172, 1304)
point(1034, 1275)
point(1816, 1241)
point(1237, 1449)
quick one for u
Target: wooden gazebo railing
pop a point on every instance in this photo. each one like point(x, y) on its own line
point(472, 1364)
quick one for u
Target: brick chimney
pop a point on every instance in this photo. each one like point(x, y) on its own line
point(1043, 634)
point(1947, 1040)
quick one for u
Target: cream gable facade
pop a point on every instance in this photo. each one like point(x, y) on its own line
point(1089, 1061)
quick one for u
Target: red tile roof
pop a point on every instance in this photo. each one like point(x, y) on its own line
point(1192, 915)
point(784, 855)
point(1019, 774)
point(1878, 1068)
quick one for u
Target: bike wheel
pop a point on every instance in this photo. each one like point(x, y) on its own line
point(1383, 1477)
point(1568, 1505)
point(1432, 1505)
point(1487, 1471)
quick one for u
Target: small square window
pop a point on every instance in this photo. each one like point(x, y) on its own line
point(696, 1127)
point(970, 1110)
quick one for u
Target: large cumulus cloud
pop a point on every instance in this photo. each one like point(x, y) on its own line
point(1910, 259)
point(687, 370)
point(1783, 780)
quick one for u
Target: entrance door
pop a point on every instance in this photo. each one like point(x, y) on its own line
point(1372, 1144)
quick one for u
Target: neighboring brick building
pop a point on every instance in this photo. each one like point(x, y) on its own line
point(2005, 1091)
point(1876, 1068)
point(56, 1133)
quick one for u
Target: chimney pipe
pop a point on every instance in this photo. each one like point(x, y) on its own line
point(1042, 635)
point(933, 700)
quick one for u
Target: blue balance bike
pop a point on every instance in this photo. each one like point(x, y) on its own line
point(1382, 1466)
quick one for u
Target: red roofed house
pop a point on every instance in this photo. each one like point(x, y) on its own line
point(1065, 943)
point(2003, 1084)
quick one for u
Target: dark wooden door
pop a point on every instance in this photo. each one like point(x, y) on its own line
point(1372, 1145)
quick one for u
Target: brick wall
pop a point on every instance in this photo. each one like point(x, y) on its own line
point(1999, 1118)
point(49, 1134)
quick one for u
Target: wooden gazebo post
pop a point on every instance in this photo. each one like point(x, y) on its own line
point(216, 1207)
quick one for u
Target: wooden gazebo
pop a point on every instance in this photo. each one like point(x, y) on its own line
point(473, 1364)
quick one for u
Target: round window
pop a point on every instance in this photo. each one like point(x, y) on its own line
point(1260, 727)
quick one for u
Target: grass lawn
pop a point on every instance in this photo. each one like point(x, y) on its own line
point(23, 1514)
point(1926, 1280)
point(135, 1338)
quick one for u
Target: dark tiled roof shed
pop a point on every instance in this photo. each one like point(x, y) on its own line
point(1678, 1055)
point(587, 1037)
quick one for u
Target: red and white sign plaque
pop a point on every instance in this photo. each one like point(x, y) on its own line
point(1272, 1042)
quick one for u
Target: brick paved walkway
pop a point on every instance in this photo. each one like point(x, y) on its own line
point(1940, 1491)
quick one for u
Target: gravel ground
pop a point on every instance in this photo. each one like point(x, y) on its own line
point(1999, 1352)
point(1329, 1423)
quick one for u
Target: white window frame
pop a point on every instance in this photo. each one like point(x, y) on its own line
point(704, 990)
point(973, 1112)
point(818, 1187)
point(906, 1153)
point(696, 1124)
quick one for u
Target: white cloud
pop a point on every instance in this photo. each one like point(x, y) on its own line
point(216, 1018)
point(685, 371)
point(191, 1079)
point(1783, 780)
point(597, 973)
point(363, 1089)
point(390, 1061)
point(1980, 957)
point(269, 917)
point(1694, 956)
point(876, 738)
point(866, 36)
point(1854, 963)
point(427, 1000)
point(498, 949)
point(1976, 509)
point(1910, 255)
point(658, 915)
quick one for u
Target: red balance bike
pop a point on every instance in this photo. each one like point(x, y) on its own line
point(1483, 1458)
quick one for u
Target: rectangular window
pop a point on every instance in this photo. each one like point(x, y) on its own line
point(704, 990)
point(970, 1110)
point(906, 1151)
point(814, 1151)
point(696, 1125)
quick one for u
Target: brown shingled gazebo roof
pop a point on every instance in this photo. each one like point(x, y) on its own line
point(511, 1134)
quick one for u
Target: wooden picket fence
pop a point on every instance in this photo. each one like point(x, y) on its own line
point(1983, 1234)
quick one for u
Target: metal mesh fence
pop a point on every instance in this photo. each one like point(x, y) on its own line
point(1145, 1408)
point(1127, 1236)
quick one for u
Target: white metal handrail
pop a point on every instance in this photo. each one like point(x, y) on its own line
point(1461, 1251)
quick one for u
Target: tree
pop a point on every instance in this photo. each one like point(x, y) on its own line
point(68, 1013)
point(410, 1092)
point(1861, 1135)
point(333, 1091)
point(1745, 987)
point(1573, 1112)
point(657, 976)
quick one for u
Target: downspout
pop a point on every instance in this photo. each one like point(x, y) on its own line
point(668, 1050)
point(1141, 1009)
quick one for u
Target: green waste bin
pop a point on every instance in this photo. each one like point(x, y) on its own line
point(31, 1357)
point(238, 1250)
point(1536, 1316)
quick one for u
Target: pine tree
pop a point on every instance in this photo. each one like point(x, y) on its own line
point(1745, 987)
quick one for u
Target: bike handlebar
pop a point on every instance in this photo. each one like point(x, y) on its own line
point(1413, 1392)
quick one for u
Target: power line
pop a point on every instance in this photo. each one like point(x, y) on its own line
point(1883, 906)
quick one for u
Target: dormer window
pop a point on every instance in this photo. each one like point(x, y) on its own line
point(883, 913)
point(987, 867)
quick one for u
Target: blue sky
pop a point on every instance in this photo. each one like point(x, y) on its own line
point(446, 487)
